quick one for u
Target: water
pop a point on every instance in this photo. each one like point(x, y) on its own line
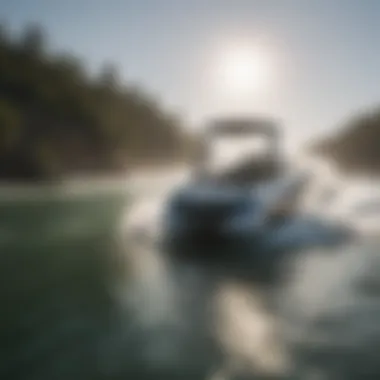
point(56, 264)
point(77, 304)
point(331, 304)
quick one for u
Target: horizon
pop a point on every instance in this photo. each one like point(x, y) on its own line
point(322, 54)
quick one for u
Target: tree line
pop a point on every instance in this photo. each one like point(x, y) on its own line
point(57, 119)
point(355, 147)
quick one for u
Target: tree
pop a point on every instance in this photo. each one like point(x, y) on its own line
point(109, 77)
point(33, 40)
point(355, 149)
point(10, 123)
point(4, 37)
point(55, 117)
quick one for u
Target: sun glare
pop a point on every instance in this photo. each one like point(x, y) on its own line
point(244, 70)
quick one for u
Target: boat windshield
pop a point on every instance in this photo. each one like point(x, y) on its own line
point(232, 143)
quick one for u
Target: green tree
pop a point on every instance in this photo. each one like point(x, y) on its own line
point(10, 125)
point(33, 40)
point(355, 148)
point(55, 117)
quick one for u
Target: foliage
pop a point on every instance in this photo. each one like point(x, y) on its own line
point(355, 149)
point(55, 119)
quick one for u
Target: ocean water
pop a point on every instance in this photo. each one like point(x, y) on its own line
point(81, 300)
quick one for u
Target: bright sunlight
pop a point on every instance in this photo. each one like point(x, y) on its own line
point(244, 69)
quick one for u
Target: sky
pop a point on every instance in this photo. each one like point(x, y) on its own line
point(324, 54)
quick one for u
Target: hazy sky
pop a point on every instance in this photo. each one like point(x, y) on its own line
point(325, 53)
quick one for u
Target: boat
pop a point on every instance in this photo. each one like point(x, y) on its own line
point(246, 217)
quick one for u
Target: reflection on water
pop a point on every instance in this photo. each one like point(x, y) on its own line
point(75, 308)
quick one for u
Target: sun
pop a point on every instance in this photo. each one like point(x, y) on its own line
point(244, 69)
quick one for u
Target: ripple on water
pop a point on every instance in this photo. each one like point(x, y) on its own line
point(338, 298)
